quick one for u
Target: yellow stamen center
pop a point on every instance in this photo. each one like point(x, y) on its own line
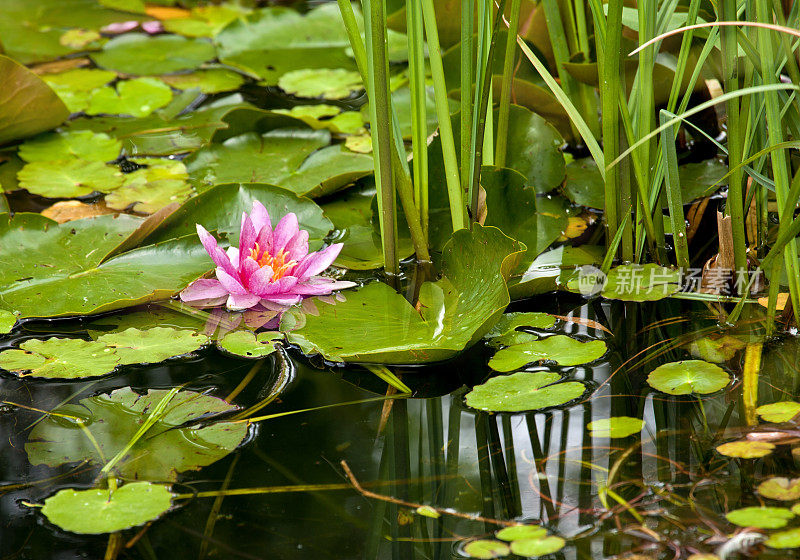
point(278, 263)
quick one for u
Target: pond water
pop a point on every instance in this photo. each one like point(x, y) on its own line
point(661, 492)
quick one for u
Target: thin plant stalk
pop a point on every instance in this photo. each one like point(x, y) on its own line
point(561, 53)
point(674, 196)
point(419, 144)
point(501, 144)
point(467, 81)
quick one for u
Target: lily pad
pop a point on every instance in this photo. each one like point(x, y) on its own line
point(716, 349)
point(760, 517)
point(7, 321)
point(784, 539)
point(60, 358)
point(146, 190)
point(534, 548)
point(102, 510)
point(524, 390)
point(74, 87)
point(80, 144)
point(174, 444)
point(325, 83)
point(247, 345)
point(634, 282)
point(688, 377)
point(780, 488)
point(376, 324)
point(64, 272)
point(69, 178)
point(134, 346)
point(327, 116)
point(206, 20)
point(778, 412)
point(486, 549)
point(212, 80)
point(138, 97)
point(27, 105)
point(518, 532)
point(746, 449)
point(505, 332)
point(561, 349)
point(140, 54)
point(300, 160)
point(616, 427)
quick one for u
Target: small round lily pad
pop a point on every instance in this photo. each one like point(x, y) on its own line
point(212, 80)
point(82, 144)
point(486, 549)
point(505, 332)
point(322, 83)
point(616, 427)
point(561, 349)
point(716, 349)
point(69, 178)
point(74, 87)
point(134, 346)
point(533, 548)
point(784, 539)
point(248, 345)
point(100, 511)
point(780, 488)
point(746, 449)
point(524, 390)
point(778, 412)
point(160, 183)
point(138, 97)
point(518, 532)
point(636, 282)
point(688, 377)
point(60, 358)
point(760, 517)
point(140, 54)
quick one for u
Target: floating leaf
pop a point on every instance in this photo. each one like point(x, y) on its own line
point(524, 390)
point(533, 548)
point(486, 549)
point(716, 349)
point(760, 517)
point(561, 349)
point(505, 332)
point(319, 116)
point(784, 539)
point(616, 427)
point(74, 87)
point(134, 346)
point(300, 160)
point(141, 54)
point(174, 444)
point(161, 182)
point(138, 97)
point(69, 178)
point(688, 377)
point(518, 532)
point(635, 282)
point(247, 345)
point(325, 83)
point(778, 412)
point(7, 321)
point(60, 358)
point(27, 105)
point(205, 21)
point(101, 510)
point(212, 80)
point(780, 488)
point(428, 511)
point(746, 449)
point(81, 144)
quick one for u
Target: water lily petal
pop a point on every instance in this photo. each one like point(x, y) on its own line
point(283, 285)
point(230, 283)
point(260, 217)
point(322, 288)
point(315, 263)
point(286, 229)
point(247, 237)
point(204, 289)
point(297, 247)
point(247, 268)
point(285, 300)
point(233, 255)
point(214, 251)
point(238, 302)
point(260, 280)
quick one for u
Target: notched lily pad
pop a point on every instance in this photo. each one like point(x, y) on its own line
point(160, 183)
point(533, 548)
point(716, 349)
point(138, 98)
point(141, 54)
point(247, 345)
point(616, 427)
point(324, 83)
point(784, 539)
point(176, 443)
point(518, 532)
point(134, 346)
point(68, 178)
point(81, 144)
point(746, 449)
point(524, 390)
point(688, 377)
point(779, 412)
point(780, 488)
point(561, 349)
point(101, 510)
point(486, 549)
point(760, 517)
point(211, 80)
point(59, 358)
point(635, 282)
point(74, 87)
point(505, 332)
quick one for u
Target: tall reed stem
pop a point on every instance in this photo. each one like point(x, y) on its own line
point(419, 144)
point(501, 144)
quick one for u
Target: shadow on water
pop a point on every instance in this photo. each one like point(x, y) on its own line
point(660, 493)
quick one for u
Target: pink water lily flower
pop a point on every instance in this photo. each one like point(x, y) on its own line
point(271, 268)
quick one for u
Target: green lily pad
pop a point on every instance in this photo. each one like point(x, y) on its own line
point(778, 412)
point(138, 97)
point(486, 549)
point(325, 83)
point(149, 189)
point(81, 144)
point(780, 488)
point(206, 21)
point(784, 539)
point(561, 349)
point(60, 358)
point(68, 178)
point(716, 349)
point(27, 105)
point(141, 54)
point(64, 272)
point(7, 321)
point(534, 548)
point(276, 39)
point(327, 116)
point(247, 345)
point(518, 532)
point(746, 449)
point(552, 269)
point(524, 390)
point(74, 87)
point(101, 510)
point(174, 444)
point(616, 427)
point(300, 160)
point(134, 346)
point(455, 312)
point(688, 377)
point(760, 517)
point(634, 282)
point(212, 80)
point(505, 332)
